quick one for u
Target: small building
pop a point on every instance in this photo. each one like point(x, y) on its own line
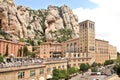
point(50, 50)
point(13, 48)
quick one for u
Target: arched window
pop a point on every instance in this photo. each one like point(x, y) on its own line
point(75, 47)
point(74, 55)
point(78, 55)
point(71, 48)
point(67, 47)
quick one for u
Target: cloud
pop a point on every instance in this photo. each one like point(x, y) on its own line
point(106, 17)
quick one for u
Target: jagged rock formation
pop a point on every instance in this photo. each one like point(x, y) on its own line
point(23, 22)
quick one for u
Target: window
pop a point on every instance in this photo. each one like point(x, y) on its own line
point(59, 67)
point(74, 55)
point(85, 48)
point(48, 69)
point(78, 55)
point(67, 47)
point(54, 67)
point(82, 59)
point(79, 60)
point(74, 60)
point(63, 66)
point(21, 75)
point(32, 72)
point(74, 65)
point(83, 54)
point(41, 71)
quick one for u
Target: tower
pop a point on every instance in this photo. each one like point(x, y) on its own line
point(87, 38)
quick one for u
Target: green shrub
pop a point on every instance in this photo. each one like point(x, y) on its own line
point(84, 67)
point(108, 62)
point(94, 69)
point(1, 59)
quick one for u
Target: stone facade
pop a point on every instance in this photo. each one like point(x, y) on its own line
point(41, 71)
point(87, 38)
point(104, 51)
point(13, 47)
point(50, 50)
point(101, 52)
point(112, 52)
point(75, 59)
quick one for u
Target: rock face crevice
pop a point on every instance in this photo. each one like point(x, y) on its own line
point(23, 22)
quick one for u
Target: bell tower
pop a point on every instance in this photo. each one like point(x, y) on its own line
point(87, 38)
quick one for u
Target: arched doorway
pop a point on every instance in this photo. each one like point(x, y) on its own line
point(41, 78)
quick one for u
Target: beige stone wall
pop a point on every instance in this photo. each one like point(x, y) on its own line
point(101, 51)
point(8, 76)
point(70, 46)
point(50, 50)
point(29, 48)
point(12, 74)
point(75, 62)
point(55, 50)
point(112, 52)
point(55, 65)
point(45, 50)
point(75, 59)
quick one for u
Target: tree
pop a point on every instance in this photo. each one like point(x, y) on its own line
point(116, 67)
point(1, 59)
point(94, 64)
point(94, 69)
point(72, 70)
point(30, 42)
point(22, 40)
point(59, 74)
point(83, 67)
point(88, 65)
point(6, 53)
point(55, 74)
point(63, 74)
point(99, 64)
point(25, 51)
point(118, 54)
point(108, 62)
point(65, 34)
point(32, 54)
point(20, 52)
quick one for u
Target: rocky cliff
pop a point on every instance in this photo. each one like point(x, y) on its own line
point(20, 22)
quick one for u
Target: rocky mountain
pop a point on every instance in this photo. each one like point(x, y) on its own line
point(23, 23)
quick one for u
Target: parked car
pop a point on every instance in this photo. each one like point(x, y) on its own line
point(93, 73)
point(98, 73)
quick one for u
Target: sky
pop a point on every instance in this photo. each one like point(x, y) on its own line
point(105, 14)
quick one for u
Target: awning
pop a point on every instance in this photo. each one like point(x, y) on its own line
point(49, 76)
point(41, 78)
